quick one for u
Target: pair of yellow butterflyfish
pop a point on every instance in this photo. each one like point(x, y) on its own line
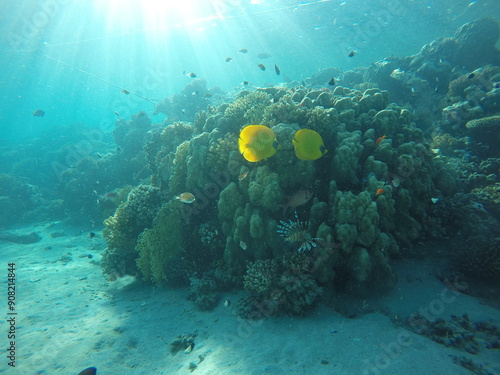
point(258, 142)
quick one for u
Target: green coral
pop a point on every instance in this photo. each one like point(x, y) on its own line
point(177, 179)
point(110, 202)
point(264, 189)
point(347, 158)
point(220, 150)
point(160, 245)
point(123, 228)
point(362, 229)
point(356, 219)
point(248, 109)
point(285, 111)
point(485, 130)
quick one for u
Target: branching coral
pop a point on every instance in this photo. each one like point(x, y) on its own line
point(279, 287)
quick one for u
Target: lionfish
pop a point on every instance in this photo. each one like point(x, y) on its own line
point(297, 232)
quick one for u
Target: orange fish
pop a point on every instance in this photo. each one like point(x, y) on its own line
point(380, 139)
point(379, 191)
point(186, 198)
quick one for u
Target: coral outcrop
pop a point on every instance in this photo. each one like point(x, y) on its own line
point(123, 228)
point(160, 245)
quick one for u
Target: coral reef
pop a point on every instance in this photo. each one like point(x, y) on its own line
point(203, 292)
point(279, 287)
point(123, 228)
point(160, 245)
point(459, 332)
point(378, 190)
point(194, 97)
point(17, 199)
point(345, 180)
point(486, 130)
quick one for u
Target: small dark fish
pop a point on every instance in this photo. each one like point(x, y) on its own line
point(332, 82)
point(351, 54)
point(245, 83)
point(277, 70)
point(118, 149)
point(470, 76)
point(243, 50)
point(207, 95)
point(261, 67)
point(126, 92)
point(116, 113)
point(228, 59)
point(264, 55)
point(89, 371)
point(39, 113)
point(98, 155)
point(91, 235)
point(191, 75)
point(90, 256)
point(497, 85)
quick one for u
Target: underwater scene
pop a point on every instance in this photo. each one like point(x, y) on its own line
point(260, 187)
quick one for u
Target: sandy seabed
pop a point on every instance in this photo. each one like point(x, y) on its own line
point(69, 317)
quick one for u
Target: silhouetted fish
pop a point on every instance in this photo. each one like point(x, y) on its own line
point(126, 92)
point(277, 70)
point(228, 59)
point(352, 53)
point(243, 50)
point(89, 371)
point(39, 113)
point(261, 67)
point(332, 82)
point(264, 55)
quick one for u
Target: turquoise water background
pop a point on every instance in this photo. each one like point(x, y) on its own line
point(72, 58)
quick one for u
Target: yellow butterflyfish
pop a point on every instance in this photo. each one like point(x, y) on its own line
point(308, 145)
point(257, 142)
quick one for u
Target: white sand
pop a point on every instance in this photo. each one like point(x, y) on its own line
point(70, 317)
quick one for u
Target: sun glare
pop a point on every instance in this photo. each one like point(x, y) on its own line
point(155, 15)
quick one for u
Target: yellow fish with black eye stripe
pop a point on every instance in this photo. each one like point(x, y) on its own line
point(257, 142)
point(308, 145)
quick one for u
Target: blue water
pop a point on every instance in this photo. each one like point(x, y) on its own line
point(93, 65)
point(145, 47)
